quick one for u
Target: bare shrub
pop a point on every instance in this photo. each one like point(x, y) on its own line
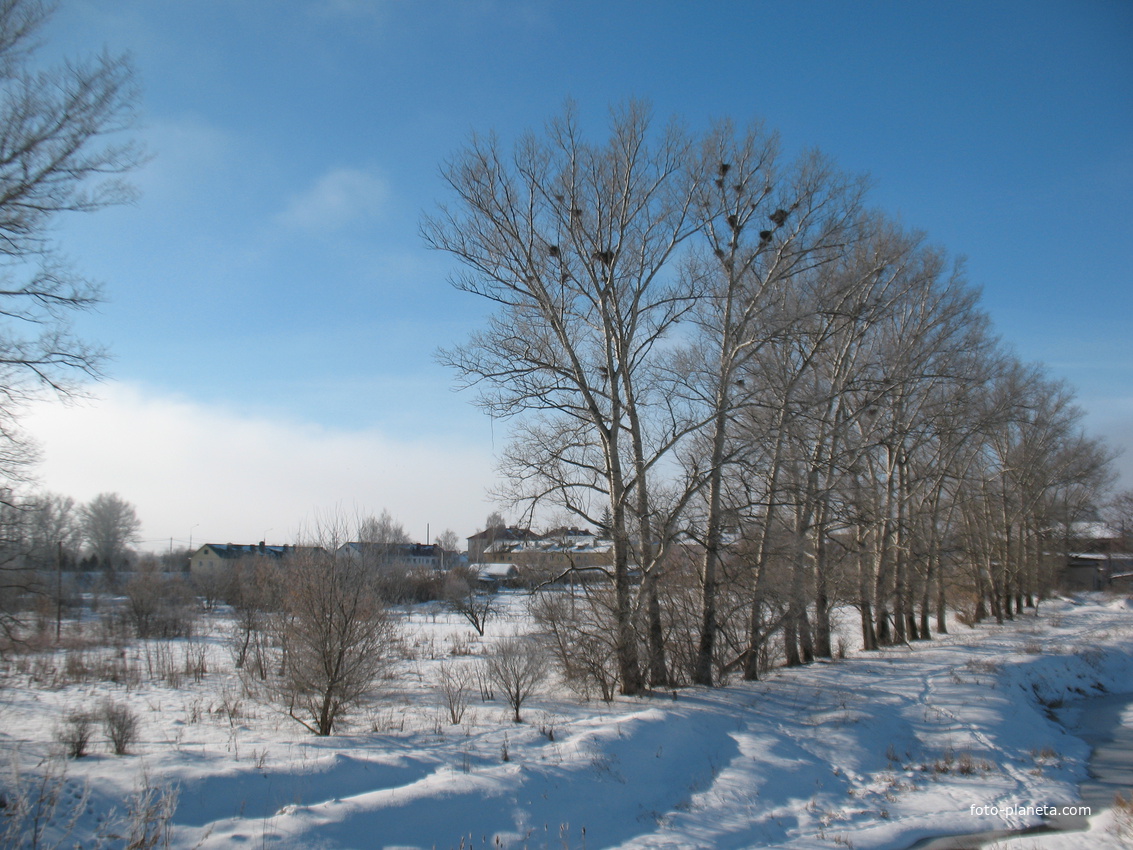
point(255, 593)
point(461, 645)
point(230, 707)
point(121, 726)
point(423, 584)
point(484, 682)
point(161, 665)
point(196, 662)
point(149, 816)
point(159, 605)
point(335, 638)
point(966, 618)
point(75, 733)
point(212, 584)
point(577, 628)
point(517, 667)
point(79, 666)
point(75, 668)
point(401, 585)
point(983, 665)
point(456, 690)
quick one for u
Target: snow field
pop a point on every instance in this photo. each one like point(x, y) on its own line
point(877, 751)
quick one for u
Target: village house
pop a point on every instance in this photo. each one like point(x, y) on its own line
point(207, 559)
point(414, 556)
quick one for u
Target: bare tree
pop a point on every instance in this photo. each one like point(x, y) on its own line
point(705, 350)
point(54, 530)
point(379, 541)
point(764, 225)
point(60, 151)
point(462, 595)
point(448, 546)
point(39, 537)
point(110, 526)
point(448, 540)
point(382, 530)
point(571, 240)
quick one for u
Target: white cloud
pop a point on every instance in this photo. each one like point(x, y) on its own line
point(339, 197)
point(227, 477)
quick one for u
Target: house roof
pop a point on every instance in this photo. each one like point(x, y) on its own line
point(567, 533)
point(495, 570)
point(509, 533)
point(243, 550)
point(1093, 530)
point(397, 550)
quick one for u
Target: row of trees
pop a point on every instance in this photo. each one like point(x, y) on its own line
point(41, 536)
point(48, 530)
point(774, 398)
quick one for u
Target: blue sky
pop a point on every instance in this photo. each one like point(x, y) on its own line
point(273, 312)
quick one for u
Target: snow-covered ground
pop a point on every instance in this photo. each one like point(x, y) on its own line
point(877, 751)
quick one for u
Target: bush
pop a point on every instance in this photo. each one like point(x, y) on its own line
point(159, 605)
point(121, 725)
point(338, 638)
point(578, 630)
point(456, 690)
point(400, 586)
point(75, 733)
point(517, 668)
point(149, 813)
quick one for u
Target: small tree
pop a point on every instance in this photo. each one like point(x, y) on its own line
point(517, 668)
point(461, 595)
point(212, 584)
point(337, 636)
